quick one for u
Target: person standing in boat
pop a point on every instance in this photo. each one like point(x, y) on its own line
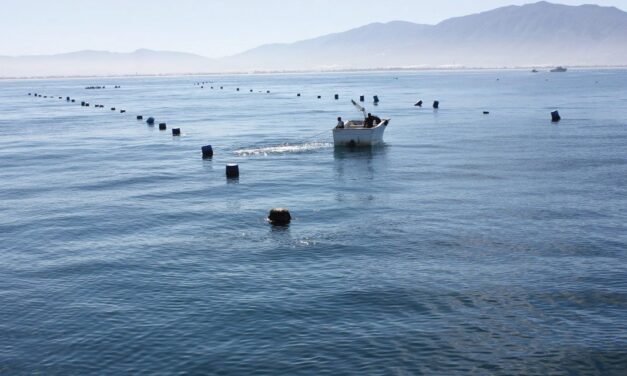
point(369, 120)
point(340, 123)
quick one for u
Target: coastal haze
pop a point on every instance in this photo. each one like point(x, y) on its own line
point(533, 35)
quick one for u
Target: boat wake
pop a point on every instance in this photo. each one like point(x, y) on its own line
point(283, 149)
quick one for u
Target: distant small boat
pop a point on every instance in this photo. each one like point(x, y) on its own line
point(354, 133)
point(534, 71)
point(559, 70)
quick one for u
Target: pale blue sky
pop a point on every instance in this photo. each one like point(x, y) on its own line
point(211, 28)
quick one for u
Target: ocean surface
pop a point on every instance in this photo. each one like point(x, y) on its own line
point(466, 244)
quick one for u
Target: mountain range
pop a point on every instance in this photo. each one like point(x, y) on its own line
point(539, 34)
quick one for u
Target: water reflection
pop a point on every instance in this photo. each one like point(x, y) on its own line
point(358, 162)
point(357, 170)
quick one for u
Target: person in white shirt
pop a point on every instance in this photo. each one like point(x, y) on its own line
point(340, 123)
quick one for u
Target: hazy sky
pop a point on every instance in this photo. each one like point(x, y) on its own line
point(208, 27)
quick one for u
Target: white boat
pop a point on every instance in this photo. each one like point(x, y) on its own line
point(353, 132)
point(559, 70)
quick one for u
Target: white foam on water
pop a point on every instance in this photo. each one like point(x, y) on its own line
point(282, 149)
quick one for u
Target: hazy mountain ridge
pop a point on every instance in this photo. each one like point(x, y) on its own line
point(533, 34)
point(539, 34)
point(91, 62)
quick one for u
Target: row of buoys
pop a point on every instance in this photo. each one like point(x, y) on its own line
point(362, 98)
point(436, 104)
point(277, 216)
point(555, 116)
point(150, 120)
point(162, 126)
point(101, 87)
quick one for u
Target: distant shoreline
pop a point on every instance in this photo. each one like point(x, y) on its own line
point(313, 71)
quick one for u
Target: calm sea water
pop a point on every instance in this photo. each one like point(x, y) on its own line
point(467, 244)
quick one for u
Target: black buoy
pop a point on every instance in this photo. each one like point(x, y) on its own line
point(232, 170)
point(112, 108)
point(376, 99)
point(418, 104)
point(67, 99)
point(175, 131)
point(279, 216)
point(29, 94)
point(362, 98)
point(122, 111)
point(436, 104)
point(237, 89)
point(150, 121)
point(337, 97)
point(60, 97)
point(555, 116)
point(73, 100)
point(251, 90)
point(221, 87)
point(140, 117)
point(298, 95)
point(86, 104)
point(162, 126)
point(319, 96)
point(207, 151)
point(267, 91)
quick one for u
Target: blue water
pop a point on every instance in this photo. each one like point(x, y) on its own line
point(467, 244)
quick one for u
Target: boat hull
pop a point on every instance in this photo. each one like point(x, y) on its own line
point(359, 136)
